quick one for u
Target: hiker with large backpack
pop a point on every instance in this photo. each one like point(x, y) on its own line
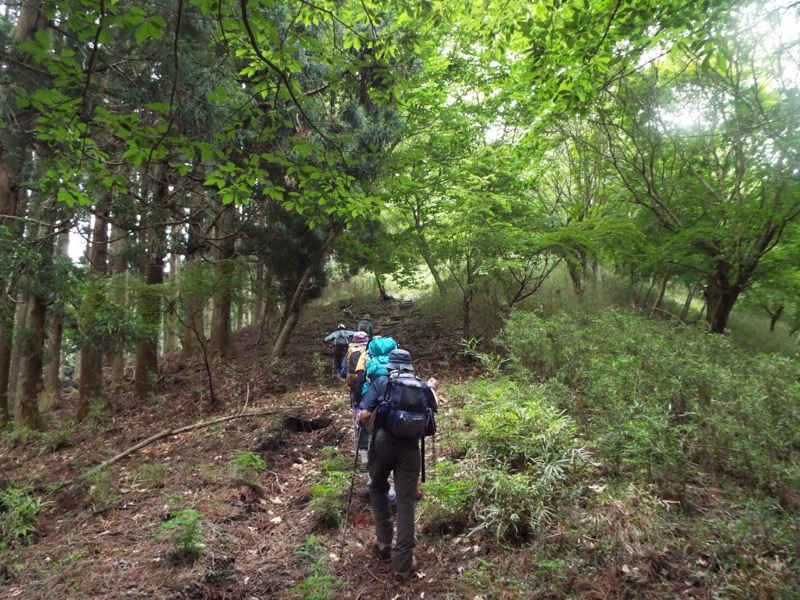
point(378, 353)
point(365, 325)
point(339, 341)
point(354, 373)
point(399, 409)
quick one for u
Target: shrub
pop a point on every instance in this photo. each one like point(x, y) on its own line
point(102, 489)
point(328, 493)
point(318, 584)
point(522, 451)
point(18, 517)
point(184, 532)
point(659, 399)
point(449, 497)
point(248, 465)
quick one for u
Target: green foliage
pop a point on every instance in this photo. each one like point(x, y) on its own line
point(328, 493)
point(449, 496)
point(658, 400)
point(248, 465)
point(106, 323)
point(20, 507)
point(492, 363)
point(320, 367)
point(184, 531)
point(103, 490)
point(523, 453)
point(319, 584)
point(57, 439)
point(150, 475)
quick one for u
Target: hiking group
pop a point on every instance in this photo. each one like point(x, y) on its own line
point(393, 412)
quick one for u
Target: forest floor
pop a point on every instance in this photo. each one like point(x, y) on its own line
point(101, 534)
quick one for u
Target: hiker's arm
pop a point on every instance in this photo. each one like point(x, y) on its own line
point(433, 399)
point(373, 395)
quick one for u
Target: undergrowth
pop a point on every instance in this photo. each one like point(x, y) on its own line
point(608, 454)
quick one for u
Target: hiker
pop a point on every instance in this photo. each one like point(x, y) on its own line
point(394, 451)
point(378, 353)
point(365, 325)
point(354, 370)
point(339, 341)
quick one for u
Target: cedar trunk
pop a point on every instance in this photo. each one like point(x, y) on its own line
point(146, 374)
point(90, 386)
point(27, 410)
point(221, 341)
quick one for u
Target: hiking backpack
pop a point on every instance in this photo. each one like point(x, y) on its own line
point(404, 411)
point(341, 340)
point(355, 361)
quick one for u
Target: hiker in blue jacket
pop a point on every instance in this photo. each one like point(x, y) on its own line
point(339, 341)
point(391, 453)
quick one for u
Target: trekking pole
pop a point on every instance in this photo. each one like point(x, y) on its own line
point(350, 495)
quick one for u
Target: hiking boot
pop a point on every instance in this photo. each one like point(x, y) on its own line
point(406, 575)
point(384, 551)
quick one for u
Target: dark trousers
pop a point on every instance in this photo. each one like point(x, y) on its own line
point(387, 454)
point(339, 353)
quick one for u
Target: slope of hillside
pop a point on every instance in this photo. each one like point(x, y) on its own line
point(102, 532)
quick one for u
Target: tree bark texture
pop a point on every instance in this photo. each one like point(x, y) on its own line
point(291, 312)
point(149, 297)
point(90, 382)
point(27, 410)
point(149, 304)
point(221, 340)
point(118, 294)
point(194, 329)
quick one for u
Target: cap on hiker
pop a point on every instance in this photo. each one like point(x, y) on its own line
point(366, 316)
point(399, 360)
point(359, 337)
point(340, 326)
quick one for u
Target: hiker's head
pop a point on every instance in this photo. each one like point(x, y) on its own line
point(359, 337)
point(366, 316)
point(399, 360)
point(340, 326)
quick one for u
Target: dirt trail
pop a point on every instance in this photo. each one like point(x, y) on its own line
point(101, 539)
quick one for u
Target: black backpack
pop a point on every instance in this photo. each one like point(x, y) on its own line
point(404, 411)
point(341, 340)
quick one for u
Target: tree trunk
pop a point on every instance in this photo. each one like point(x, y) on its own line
point(118, 294)
point(52, 381)
point(171, 334)
point(437, 278)
point(6, 335)
point(221, 340)
point(259, 306)
point(14, 143)
point(146, 372)
point(149, 297)
point(90, 378)
point(194, 329)
point(662, 290)
point(381, 286)
point(577, 273)
point(688, 304)
point(291, 315)
point(291, 312)
point(14, 379)
point(720, 298)
point(27, 414)
point(774, 316)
